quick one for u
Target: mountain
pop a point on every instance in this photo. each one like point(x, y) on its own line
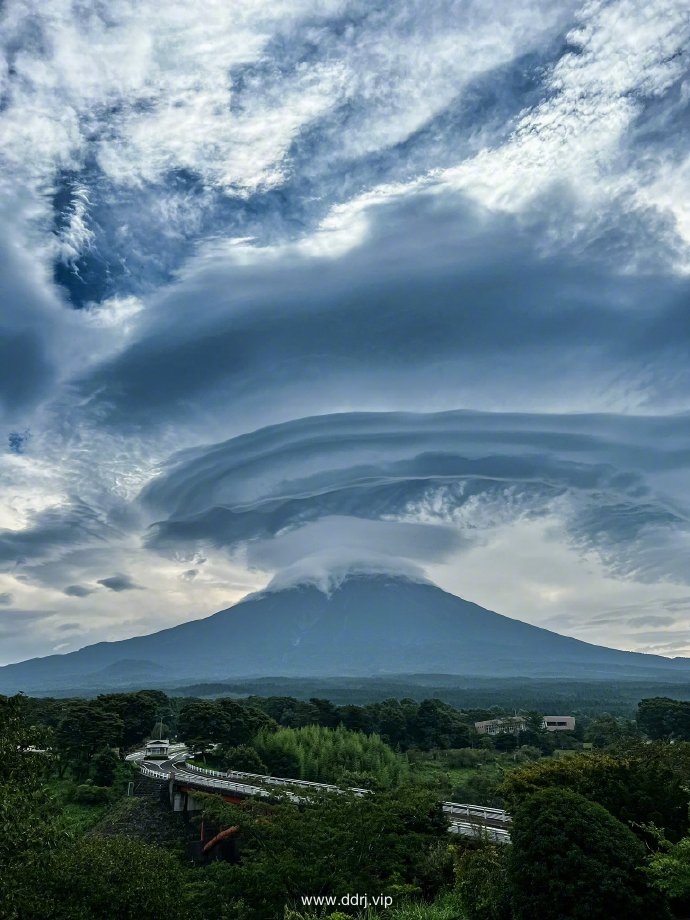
point(367, 626)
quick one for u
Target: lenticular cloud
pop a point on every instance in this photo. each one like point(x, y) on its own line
point(421, 486)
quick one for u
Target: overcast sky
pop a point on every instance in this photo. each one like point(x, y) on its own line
point(301, 287)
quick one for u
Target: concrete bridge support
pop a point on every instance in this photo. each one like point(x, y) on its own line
point(182, 800)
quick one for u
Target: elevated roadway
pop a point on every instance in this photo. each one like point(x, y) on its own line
point(184, 779)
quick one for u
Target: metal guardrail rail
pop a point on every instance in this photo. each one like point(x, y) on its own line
point(266, 780)
point(477, 811)
point(153, 774)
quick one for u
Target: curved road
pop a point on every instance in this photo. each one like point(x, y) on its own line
point(465, 819)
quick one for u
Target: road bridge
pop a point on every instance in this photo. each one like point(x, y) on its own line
point(185, 779)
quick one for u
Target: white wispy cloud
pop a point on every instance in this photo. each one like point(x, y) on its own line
point(576, 141)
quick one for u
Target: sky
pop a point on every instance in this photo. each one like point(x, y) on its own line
point(301, 288)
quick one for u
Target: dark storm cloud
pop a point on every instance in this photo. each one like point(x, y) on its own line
point(118, 583)
point(439, 296)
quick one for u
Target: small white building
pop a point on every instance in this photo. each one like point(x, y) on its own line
point(559, 723)
point(158, 747)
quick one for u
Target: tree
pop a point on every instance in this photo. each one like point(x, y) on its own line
point(605, 731)
point(327, 712)
point(643, 783)
point(661, 717)
point(571, 858)
point(198, 724)
point(481, 878)
point(28, 819)
point(329, 755)
point(505, 741)
point(534, 732)
point(392, 723)
point(438, 725)
point(239, 724)
point(104, 766)
point(669, 873)
point(356, 718)
point(136, 711)
point(223, 721)
point(243, 758)
point(86, 727)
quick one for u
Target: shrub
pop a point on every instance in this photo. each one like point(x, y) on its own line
point(571, 858)
point(482, 883)
point(243, 758)
point(88, 794)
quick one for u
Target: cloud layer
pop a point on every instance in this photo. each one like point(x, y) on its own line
point(436, 480)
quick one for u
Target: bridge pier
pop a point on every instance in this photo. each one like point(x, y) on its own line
point(181, 799)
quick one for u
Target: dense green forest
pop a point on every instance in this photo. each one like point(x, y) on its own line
point(578, 696)
point(600, 815)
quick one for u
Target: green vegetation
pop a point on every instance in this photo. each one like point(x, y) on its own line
point(203, 723)
point(582, 698)
point(331, 755)
point(571, 858)
point(483, 884)
point(602, 832)
point(100, 878)
point(384, 843)
point(27, 826)
point(467, 774)
point(638, 784)
point(662, 718)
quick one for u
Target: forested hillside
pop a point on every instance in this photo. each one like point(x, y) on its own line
point(600, 814)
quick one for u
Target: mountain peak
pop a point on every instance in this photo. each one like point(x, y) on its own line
point(366, 623)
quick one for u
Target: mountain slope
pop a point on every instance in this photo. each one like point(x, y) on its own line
point(369, 625)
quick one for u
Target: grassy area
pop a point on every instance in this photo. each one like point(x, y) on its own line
point(464, 775)
point(79, 817)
